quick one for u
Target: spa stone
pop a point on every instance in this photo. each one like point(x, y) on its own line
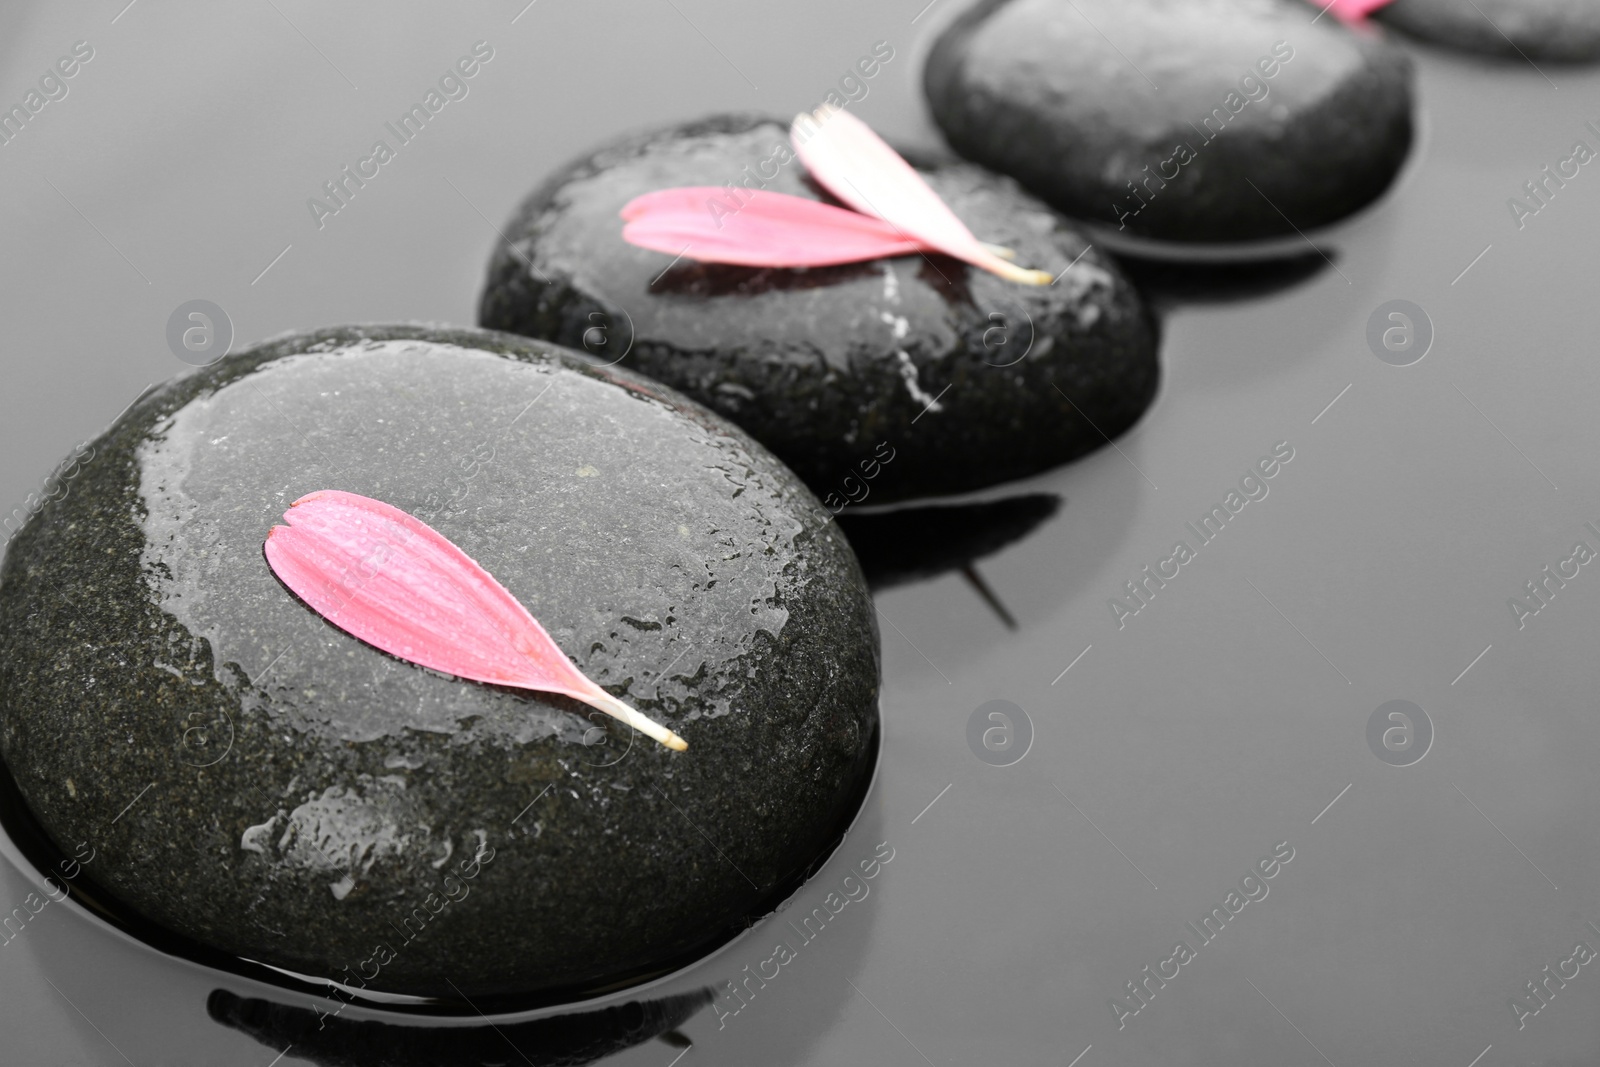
point(963, 378)
point(1214, 121)
point(253, 779)
point(1560, 30)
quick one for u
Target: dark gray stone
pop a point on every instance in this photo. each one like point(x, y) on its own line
point(1562, 30)
point(835, 369)
point(256, 780)
point(1137, 114)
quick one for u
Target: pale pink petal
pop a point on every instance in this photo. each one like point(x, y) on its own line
point(1352, 10)
point(391, 580)
point(769, 230)
point(855, 165)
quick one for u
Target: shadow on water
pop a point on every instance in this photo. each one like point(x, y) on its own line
point(560, 1041)
point(911, 544)
point(1167, 283)
point(1237, 322)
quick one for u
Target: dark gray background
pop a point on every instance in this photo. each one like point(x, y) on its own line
point(1222, 720)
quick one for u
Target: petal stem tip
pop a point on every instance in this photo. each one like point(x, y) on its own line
point(617, 709)
point(1023, 274)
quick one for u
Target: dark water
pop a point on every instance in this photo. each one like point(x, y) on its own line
point(1218, 723)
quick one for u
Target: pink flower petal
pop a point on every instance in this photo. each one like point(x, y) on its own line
point(1353, 10)
point(399, 585)
point(770, 230)
point(855, 165)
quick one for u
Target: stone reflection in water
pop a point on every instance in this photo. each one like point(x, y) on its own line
point(560, 1041)
point(1166, 283)
point(911, 544)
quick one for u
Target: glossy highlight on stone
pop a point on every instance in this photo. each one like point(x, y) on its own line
point(968, 379)
point(255, 780)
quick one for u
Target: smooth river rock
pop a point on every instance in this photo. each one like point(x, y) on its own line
point(255, 780)
point(1562, 30)
point(1179, 120)
point(894, 378)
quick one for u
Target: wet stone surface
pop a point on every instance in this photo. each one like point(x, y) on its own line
point(258, 781)
point(1156, 117)
point(963, 378)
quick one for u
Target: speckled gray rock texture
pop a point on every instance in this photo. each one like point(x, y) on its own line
point(1563, 30)
point(966, 379)
point(254, 779)
point(1182, 120)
